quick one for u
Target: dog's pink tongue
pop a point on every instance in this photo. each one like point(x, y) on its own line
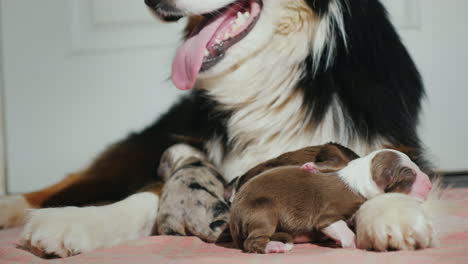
point(189, 57)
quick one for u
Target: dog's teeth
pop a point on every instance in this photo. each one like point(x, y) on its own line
point(207, 52)
point(241, 19)
point(234, 28)
point(217, 40)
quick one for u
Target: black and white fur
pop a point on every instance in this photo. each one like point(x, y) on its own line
point(309, 72)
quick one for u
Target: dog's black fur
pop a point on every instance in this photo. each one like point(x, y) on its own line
point(377, 82)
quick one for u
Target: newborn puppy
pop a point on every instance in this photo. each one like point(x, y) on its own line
point(326, 158)
point(192, 200)
point(273, 208)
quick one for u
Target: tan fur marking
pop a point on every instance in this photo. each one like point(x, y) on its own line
point(300, 15)
point(155, 188)
point(36, 199)
point(402, 148)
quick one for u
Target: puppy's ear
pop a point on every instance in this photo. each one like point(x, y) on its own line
point(383, 178)
point(390, 175)
point(333, 157)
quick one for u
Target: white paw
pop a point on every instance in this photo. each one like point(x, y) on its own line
point(394, 222)
point(277, 247)
point(348, 243)
point(69, 231)
point(12, 210)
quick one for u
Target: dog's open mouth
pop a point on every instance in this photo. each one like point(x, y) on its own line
point(210, 40)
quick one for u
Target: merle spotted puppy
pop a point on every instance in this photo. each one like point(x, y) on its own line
point(192, 200)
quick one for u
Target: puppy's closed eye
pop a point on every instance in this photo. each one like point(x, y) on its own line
point(217, 224)
point(403, 182)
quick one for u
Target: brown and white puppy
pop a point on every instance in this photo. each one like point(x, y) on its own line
point(327, 158)
point(192, 200)
point(285, 202)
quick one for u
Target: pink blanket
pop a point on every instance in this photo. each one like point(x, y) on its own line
point(453, 249)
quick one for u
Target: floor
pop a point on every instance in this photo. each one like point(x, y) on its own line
point(456, 181)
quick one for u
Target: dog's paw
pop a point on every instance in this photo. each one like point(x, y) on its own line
point(12, 210)
point(277, 247)
point(170, 225)
point(62, 232)
point(394, 222)
point(68, 231)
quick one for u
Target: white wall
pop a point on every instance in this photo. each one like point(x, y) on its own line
point(439, 47)
point(68, 95)
point(2, 129)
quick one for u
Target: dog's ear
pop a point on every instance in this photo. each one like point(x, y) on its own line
point(333, 157)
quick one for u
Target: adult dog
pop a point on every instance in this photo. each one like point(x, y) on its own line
point(268, 76)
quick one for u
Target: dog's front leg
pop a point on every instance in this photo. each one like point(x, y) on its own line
point(394, 221)
point(68, 231)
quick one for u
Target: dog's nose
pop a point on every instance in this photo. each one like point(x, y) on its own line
point(164, 9)
point(152, 3)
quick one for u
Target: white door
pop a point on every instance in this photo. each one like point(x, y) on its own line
point(436, 35)
point(80, 74)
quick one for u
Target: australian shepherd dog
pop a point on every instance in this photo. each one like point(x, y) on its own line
point(266, 77)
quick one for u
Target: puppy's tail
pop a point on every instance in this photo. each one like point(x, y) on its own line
point(444, 212)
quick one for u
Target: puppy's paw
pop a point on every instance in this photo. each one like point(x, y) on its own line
point(277, 247)
point(169, 224)
point(394, 222)
point(348, 242)
point(12, 210)
point(64, 232)
point(256, 245)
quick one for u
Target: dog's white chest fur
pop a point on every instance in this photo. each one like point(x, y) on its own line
point(274, 134)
